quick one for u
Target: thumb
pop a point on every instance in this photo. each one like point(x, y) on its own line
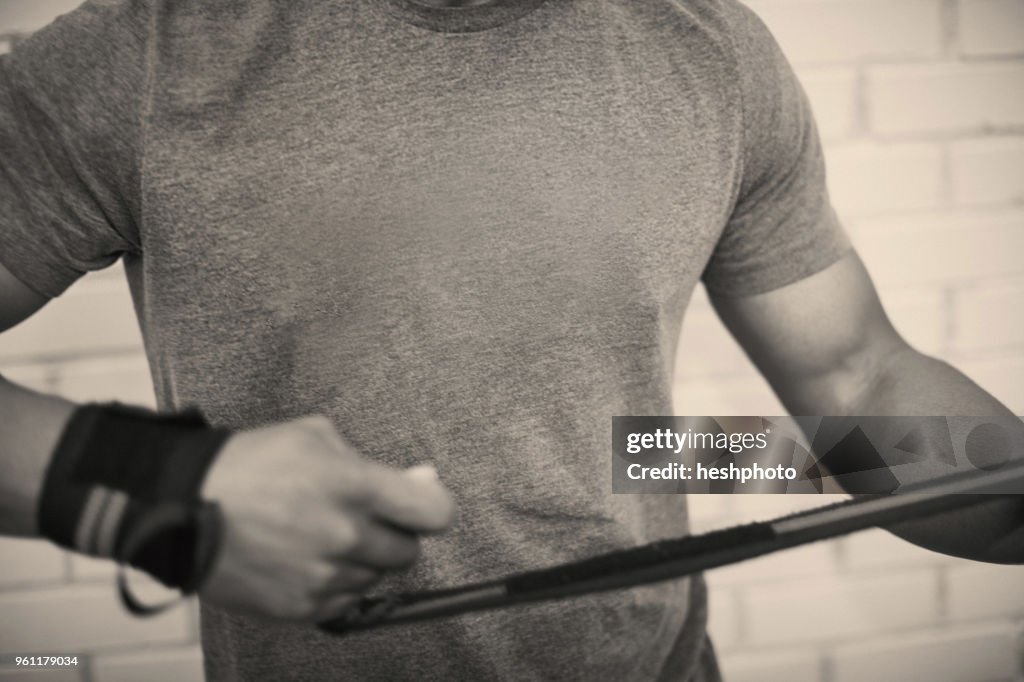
point(413, 499)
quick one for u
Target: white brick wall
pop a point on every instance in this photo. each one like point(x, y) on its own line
point(949, 248)
point(838, 607)
point(937, 656)
point(838, 31)
point(1000, 375)
point(834, 98)
point(914, 99)
point(98, 309)
point(79, 618)
point(27, 561)
point(868, 178)
point(991, 27)
point(781, 665)
point(921, 106)
point(29, 15)
point(990, 316)
point(987, 170)
point(181, 664)
point(979, 591)
point(12, 674)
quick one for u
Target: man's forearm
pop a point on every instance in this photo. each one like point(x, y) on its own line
point(908, 383)
point(30, 426)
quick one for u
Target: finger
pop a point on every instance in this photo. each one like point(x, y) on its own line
point(349, 578)
point(382, 547)
point(413, 499)
point(335, 606)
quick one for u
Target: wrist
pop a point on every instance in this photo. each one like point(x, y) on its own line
point(123, 484)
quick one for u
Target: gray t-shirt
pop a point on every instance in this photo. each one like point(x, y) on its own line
point(467, 236)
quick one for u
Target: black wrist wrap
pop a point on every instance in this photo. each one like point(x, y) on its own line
point(123, 483)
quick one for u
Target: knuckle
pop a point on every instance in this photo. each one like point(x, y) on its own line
point(297, 606)
point(407, 551)
point(345, 535)
point(307, 607)
point(320, 576)
point(355, 481)
point(362, 578)
point(335, 607)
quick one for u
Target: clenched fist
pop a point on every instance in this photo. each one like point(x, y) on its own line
point(309, 523)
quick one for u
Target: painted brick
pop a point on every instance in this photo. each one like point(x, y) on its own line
point(747, 508)
point(724, 618)
point(126, 379)
point(989, 316)
point(879, 549)
point(29, 15)
point(705, 512)
point(833, 95)
point(811, 560)
point(853, 30)
point(1002, 377)
point(976, 590)
point(987, 653)
point(95, 315)
point(919, 315)
point(867, 178)
point(87, 568)
point(991, 27)
point(942, 247)
point(944, 97)
point(833, 608)
point(986, 171)
point(13, 674)
point(40, 378)
point(25, 561)
point(80, 617)
point(175, 665)
point(792, 665)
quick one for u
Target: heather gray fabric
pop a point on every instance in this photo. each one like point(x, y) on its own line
point(467, 236)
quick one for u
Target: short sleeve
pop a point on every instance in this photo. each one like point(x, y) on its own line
point(782, 227)
point(70, 102)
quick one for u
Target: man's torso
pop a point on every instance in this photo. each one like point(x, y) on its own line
point(465, 248)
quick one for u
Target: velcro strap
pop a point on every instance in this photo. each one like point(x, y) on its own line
point(123, 483)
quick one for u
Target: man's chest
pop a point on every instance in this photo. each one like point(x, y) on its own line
point(405, 208)
point(455, 187)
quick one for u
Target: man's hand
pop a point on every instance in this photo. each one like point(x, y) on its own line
point(310, 524)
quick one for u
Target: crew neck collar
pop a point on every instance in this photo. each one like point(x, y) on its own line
point(461, 19)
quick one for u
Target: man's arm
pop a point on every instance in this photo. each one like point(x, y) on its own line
point(31, 423)
point(827, 348)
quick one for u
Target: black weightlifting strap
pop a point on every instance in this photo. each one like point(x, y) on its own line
point(684, 556)
point(123, 483)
